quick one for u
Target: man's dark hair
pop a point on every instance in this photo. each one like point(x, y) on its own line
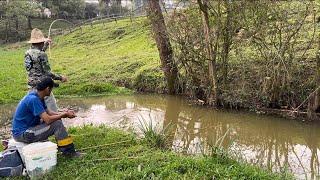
point(39, 45)
point(44, 83)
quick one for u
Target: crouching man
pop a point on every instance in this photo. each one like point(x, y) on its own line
point(33, 122)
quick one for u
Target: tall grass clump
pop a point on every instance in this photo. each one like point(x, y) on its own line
point(217, 151)
point(153, 135)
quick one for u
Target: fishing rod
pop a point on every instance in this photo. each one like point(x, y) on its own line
point(49, 33)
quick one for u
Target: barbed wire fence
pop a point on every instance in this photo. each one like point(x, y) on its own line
point(132, 14)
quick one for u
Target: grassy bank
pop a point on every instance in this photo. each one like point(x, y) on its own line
point(94, 59)
point(136, 159)
point(13, 84)
point(120, 52)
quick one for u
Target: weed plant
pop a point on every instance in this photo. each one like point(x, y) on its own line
point(153, 136)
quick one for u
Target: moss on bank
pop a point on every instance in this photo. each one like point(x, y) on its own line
point(134, 159)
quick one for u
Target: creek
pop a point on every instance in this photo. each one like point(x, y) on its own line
point(265, 141)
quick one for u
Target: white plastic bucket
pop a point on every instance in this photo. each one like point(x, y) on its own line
point(40, 157)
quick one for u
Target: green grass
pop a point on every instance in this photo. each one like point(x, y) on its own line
point(135, 159)
point(12, 75)
point(95, 59)
point(153, 136)
point(121, 52)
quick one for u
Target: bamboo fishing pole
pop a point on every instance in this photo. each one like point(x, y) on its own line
point(49, 33)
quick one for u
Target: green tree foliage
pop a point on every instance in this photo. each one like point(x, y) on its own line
point(17, 17)
point(262, 48)
point(13, 13)
point(91, 10)
point(2, 8)
point(73, 8)
point(19, 10)
point(111, 7)
point(65, 8)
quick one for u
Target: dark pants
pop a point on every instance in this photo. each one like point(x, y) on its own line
point(43, 131)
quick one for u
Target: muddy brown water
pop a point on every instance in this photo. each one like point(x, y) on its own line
point(266, 141)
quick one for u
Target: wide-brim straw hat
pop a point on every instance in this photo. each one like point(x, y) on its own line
point(37, 36)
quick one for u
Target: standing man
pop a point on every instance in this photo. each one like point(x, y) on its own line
point(33, 122)
point(37, 65)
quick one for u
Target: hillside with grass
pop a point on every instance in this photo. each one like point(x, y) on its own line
point(120, 52)
point(102, 59)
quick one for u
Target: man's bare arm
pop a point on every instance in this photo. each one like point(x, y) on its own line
point(52, 112)
point(48, 119)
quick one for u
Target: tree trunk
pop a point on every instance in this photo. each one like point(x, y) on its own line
point(118, 5)
point(29, 23)
point(17, 23)
point(162, 40)
point(314, 100)
point(318, 63)
point(108, 7)
point(7, 31)
point(211, 53)
point(226, 43)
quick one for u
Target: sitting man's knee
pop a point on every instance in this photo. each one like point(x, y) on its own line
point(57, 123)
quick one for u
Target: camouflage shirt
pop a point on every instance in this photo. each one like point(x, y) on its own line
point(37, 65)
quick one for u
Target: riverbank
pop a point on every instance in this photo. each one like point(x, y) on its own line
point(100, 60)
point(110, 58)
point(113, 154)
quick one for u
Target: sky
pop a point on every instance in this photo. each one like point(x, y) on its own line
point(92, 1)
point(124, 3)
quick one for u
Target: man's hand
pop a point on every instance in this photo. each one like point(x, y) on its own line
point(49, 41)
point(48, 119)
point(64, 79)
point(70, 114)
point(46, 44)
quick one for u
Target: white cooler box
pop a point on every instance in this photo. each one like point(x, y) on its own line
point(39, 157)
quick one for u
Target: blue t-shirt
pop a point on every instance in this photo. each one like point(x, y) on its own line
point(27, 113)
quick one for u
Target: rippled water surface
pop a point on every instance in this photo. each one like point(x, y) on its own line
point(266, 141)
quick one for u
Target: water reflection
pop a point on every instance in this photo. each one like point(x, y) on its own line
point(266, 141)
